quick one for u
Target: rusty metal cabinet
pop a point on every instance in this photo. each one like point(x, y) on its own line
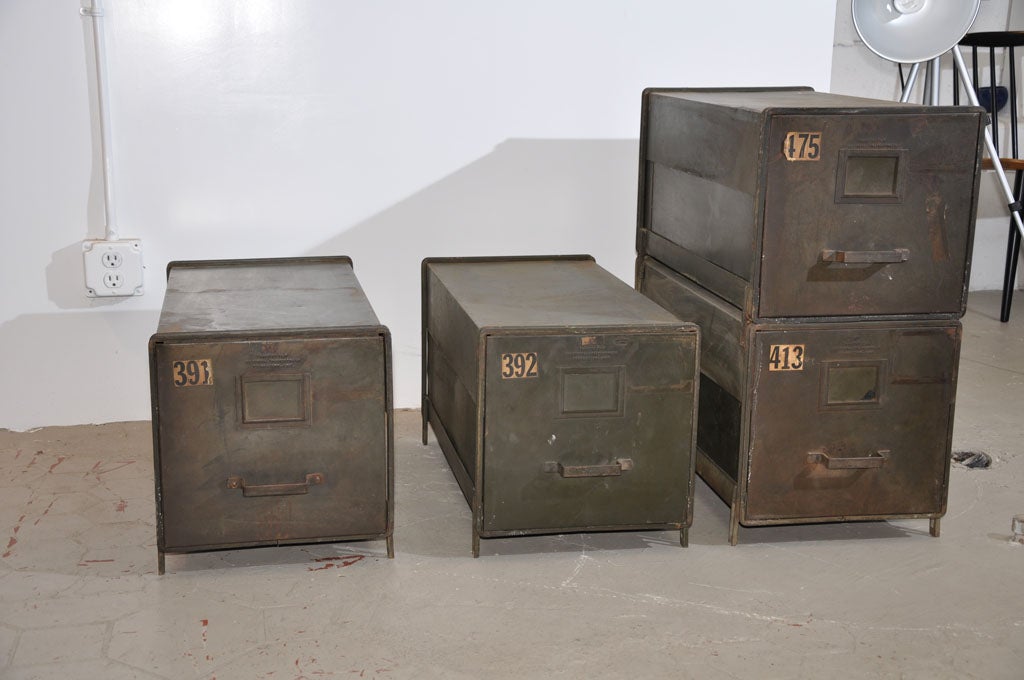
point(819, 422)
point(822, 243)
point(272, 416)
point(563, 400)
point(794, 204)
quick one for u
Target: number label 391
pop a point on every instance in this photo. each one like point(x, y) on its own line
point(192, 372)
point(519, 365)
point(786, 358)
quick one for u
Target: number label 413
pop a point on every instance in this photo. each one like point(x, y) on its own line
point(786, 358)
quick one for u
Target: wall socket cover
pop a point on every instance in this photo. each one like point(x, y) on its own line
point(113, 268)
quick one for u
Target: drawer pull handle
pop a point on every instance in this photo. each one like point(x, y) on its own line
point(866, 256)
point(872, 460)
point(293, 489)
point(614, 470)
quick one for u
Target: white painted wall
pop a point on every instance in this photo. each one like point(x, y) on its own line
point(858, 71)
point(388, 131)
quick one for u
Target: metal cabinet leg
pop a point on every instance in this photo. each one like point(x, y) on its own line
point(476, 544)
point(933, 526)
point(160, 562)
point(391, 546)
point(734, 524)
point(426, 418)
point(684, 537)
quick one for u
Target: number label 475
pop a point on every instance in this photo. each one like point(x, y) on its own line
point(802, 146)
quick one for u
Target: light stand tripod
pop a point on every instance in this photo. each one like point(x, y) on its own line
point(918, 31)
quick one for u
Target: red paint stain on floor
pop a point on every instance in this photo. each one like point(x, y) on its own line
point(45, 512)
point(60, 459)
point(121, 505)
point(10, 544)
point(116, 465)
point(346, 560)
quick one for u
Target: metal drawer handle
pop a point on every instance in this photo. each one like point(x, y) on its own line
point(614, 470)
point(866, 256)
point(872, 460)
point(293, 489)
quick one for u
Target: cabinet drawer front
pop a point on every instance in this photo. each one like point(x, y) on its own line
point(287, 441)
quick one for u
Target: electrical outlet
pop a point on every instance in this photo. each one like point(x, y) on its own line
point(113, 268)
point(113, 280)
point(112, 259)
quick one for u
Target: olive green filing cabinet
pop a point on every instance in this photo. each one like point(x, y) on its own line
point(823, 245)
point(819, 422)
point(272, 407)
point(801, 205)
point(562, 399)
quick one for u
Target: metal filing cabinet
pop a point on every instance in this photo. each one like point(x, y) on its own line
point(272, 416)
point(822, 244)
point(562, 399)
point(819, 422)
point(790, 203)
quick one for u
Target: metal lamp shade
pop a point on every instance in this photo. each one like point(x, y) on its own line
point(912, 31)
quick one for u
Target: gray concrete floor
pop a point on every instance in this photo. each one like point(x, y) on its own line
point(80, 598)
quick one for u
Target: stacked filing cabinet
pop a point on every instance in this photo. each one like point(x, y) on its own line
point(272, 417)
point(562, 399)
point(822, 244)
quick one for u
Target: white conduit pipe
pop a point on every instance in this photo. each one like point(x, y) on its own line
point(95, 12)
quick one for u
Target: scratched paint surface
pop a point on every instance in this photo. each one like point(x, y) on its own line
point(79, 596)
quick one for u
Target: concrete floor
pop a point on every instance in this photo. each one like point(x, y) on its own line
point(80, 598)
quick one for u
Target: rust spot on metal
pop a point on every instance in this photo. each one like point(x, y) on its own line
point(936, 211)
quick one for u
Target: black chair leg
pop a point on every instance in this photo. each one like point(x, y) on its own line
point(1010, 274)
point(1012, 251)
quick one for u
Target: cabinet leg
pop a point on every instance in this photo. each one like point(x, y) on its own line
point(684, 537)
point(476, 544)
point(160, 562)
point(734, 525)
point(391, 546)
point(933, 526)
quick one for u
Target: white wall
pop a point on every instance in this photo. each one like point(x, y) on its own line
point(387, 131)
point(858, 71)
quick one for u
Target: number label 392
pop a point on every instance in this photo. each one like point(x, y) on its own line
point(802, 146)
point(786, 358)
point(192, 372)
point(519, 365)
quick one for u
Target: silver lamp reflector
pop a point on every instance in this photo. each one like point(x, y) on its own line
point(912, 31)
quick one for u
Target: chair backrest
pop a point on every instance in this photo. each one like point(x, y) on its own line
point(992, 41)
